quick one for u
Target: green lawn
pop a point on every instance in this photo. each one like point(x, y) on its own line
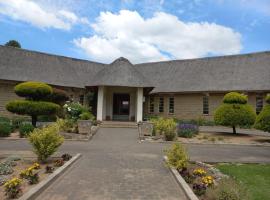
point(256, 177)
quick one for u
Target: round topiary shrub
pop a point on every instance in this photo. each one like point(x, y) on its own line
point(263, 119)
point(5, 129)
point(235, 112)
point(235, 98)
point(35, 103)
point(25, 129)
point(33, 90)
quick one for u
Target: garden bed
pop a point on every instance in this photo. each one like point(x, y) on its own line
point(227, 138)
point(20, 167)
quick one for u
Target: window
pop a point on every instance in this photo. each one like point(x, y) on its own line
point(259, 103)
point(171, 105)
point(161, 105)
point(206, 105)
point(151, 105)
point(81, 99)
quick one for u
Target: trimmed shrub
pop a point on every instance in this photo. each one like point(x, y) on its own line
point(34, 104)
point(25, 129)
point(167, 127)
point(263, 119)
point(33, 90)
point(5, 129)
point(235, 98)
point(234, 114)
point(177, 156)
point(187, 130)
point(46, 141)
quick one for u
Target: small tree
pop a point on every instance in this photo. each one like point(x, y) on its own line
point(263, 119)
point(46, 141)
point(235, 111)
point(34, 104)
point(13, 43)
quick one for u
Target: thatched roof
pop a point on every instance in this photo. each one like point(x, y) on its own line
point(247, 72)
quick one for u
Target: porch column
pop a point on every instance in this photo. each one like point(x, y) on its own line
point(139, 107)
point(100, 103)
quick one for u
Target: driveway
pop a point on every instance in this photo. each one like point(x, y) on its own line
point(115, 166)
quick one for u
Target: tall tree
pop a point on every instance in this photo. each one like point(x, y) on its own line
point(13, 43)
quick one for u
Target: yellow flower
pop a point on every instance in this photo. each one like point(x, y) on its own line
point(36, 165)
point(13, 183)
point(208, 180)
point(199, 172)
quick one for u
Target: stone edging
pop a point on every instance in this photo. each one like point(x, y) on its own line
point(35, 191)
point(188, 191)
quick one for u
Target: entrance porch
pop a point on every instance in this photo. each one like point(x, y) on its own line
point(120, 103)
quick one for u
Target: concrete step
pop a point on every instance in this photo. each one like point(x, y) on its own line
point(118, 124)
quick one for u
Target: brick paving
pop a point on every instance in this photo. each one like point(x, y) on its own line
point(116, 166)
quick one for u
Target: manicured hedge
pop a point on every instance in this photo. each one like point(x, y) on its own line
point(235, 115)
point(235, 98)
point(33, 90)
point(32, 108)
point(58, 96)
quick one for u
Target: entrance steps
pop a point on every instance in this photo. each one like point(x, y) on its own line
point(118, 124)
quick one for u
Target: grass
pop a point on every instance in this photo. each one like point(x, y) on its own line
point(256, 178)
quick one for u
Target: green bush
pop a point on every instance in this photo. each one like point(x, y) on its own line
point(68, 125)
point(58, 96)
point(25, 129)
point(86, 116)
point(46, 141)
point(33, 90)
point(228, 189)
point(167, 127)
point(5, 129)
point(263, 119)
point(234, 114)
point(74, 110)
point(177, 156)
point(4, 120)
point(17, 121)
point(267, 98)
point(235, 98)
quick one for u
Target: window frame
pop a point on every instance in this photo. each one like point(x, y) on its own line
point(205, 105)
point(259, 96)
point(159, 104)
point(169, 105)
point(151, 108)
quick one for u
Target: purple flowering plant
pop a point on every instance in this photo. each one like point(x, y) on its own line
point(187, 130)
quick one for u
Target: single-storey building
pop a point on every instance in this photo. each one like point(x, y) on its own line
point(186, 89)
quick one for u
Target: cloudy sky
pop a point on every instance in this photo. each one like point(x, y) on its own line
point(140, 30)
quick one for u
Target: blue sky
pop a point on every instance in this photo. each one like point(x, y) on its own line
point(142, 31)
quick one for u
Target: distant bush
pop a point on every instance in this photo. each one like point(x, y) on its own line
point(17, 121)
point(187, 130)
point(86, 116)
point(25, 129)
point(46, 141)
point(5, 129)
point(263, 119)
point(58, 96)
point(234, 111)
point(4, 120)
point(166, 127)
point(199, 121)
point(177, 156)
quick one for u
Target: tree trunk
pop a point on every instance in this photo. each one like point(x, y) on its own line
point(34, 121)
point(234, 129)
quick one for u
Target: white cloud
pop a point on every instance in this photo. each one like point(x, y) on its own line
point(160, 37)
point(31, 12)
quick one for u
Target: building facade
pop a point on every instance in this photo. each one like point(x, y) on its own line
point(184, 89)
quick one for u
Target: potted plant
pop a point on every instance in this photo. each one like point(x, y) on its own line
point(85, 122)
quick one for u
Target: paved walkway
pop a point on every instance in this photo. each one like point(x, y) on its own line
point(115, 166)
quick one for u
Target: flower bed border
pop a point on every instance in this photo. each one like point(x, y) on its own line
point(188, 191)
point(35, 191)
